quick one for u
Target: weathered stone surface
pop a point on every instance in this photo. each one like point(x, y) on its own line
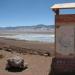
point(16, 61)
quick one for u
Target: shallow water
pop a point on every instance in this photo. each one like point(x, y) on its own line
point(33, 37)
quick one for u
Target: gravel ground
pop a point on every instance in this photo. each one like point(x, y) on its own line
point(37, 65)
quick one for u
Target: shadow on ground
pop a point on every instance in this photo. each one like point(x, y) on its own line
point(64, 73)
point(12, 69)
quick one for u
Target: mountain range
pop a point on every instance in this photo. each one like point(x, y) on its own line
point(40, 26)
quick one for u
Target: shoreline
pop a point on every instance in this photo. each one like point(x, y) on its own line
point(27, 45)
point(15, 32)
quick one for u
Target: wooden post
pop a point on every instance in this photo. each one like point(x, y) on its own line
point(56, 11)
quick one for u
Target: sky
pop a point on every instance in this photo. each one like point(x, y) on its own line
point(28, 12)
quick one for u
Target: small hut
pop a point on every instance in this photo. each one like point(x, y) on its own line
point(64, 30)
point(64, 60)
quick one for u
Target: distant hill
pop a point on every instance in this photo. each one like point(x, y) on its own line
point(40, 26)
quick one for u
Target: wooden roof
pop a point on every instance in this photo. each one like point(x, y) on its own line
point(64, 6)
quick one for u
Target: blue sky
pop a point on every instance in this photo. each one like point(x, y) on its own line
point(28, 12)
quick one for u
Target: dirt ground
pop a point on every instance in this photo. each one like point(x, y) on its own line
point(37, 65)
point(24, 45)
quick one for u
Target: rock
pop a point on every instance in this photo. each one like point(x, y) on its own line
point(16, 62)
point(9, 50)
point(1, 56)
point(47, 54)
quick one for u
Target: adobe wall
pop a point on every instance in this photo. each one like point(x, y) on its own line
point(65, 35)
point(65, 19)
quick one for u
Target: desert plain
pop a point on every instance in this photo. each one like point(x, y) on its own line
point(38, 55)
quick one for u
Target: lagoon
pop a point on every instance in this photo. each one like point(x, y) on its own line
point(48, 38)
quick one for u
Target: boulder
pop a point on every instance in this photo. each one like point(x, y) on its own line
point(16, 62)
